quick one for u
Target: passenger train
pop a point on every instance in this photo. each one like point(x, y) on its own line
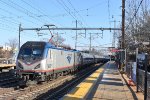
point(41, 61)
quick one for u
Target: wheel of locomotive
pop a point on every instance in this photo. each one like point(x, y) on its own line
point(47, 78)
point(52, 76)
point(64, 73)
point(60, 74)
point(55, 76)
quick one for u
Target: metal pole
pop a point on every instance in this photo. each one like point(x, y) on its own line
point(57, 40)
point(69, 28)
point(76, 35)
point(114, 34)
point(90, 42)
point(125, 62)
point(145, 86)
point(137, 82)
point(123, 23)
point(19, 36)
point(123, 31)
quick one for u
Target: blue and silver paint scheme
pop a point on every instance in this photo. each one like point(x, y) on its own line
point(42, 58)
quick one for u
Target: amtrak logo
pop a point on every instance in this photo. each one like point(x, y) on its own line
point(69, 58)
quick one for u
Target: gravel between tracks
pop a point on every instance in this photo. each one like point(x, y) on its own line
point(38, 91)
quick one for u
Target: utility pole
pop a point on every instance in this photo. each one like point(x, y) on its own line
point(123, 24)
point(122, 53)
point(76, 35)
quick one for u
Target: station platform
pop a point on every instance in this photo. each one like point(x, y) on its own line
point(106, 83)
point(7, 66)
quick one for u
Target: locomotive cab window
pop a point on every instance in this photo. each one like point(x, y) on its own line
point(30, 50)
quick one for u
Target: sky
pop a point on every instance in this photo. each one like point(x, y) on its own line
point(62, 14)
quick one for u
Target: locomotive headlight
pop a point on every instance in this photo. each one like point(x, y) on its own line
point(38, 66)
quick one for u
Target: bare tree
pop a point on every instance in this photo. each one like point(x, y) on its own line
point(12, 43)
point(1, 52)
point(137, 24)
point(57, 40)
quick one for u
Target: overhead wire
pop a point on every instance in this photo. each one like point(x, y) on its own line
point(136, 11)
point(29, 13)
point(72, 6)
point(14, 8)
point(6, 29)
point(109, 13)
point(39, 10)
point(5, 25)
point(13, 21)
point(134, 14)
point(66, 9)
point(4, 10)
point(22, 10)
point(77, 12)
point(9, 21)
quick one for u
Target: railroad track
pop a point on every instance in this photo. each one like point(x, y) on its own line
point(7, 83)
point(65, 88)
point(48, 90)
point(4, 74)
point(8, 79)
point(33, 91)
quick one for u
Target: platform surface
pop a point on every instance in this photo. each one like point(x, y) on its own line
point(112, 86)
point(7, 65)
point(106, 83)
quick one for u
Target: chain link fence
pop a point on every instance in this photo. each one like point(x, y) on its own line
point(148, 86)
point(140, 79)
point(136, 72)
point(129, 69)
point(143, 74)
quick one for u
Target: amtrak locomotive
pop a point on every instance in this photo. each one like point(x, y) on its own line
point(42, 61)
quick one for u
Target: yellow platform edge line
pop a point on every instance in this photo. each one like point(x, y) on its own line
point(83, 89)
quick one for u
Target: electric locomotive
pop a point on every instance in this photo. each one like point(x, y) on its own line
point(41, 61)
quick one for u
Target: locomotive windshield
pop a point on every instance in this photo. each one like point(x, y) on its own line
point(31, 50)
